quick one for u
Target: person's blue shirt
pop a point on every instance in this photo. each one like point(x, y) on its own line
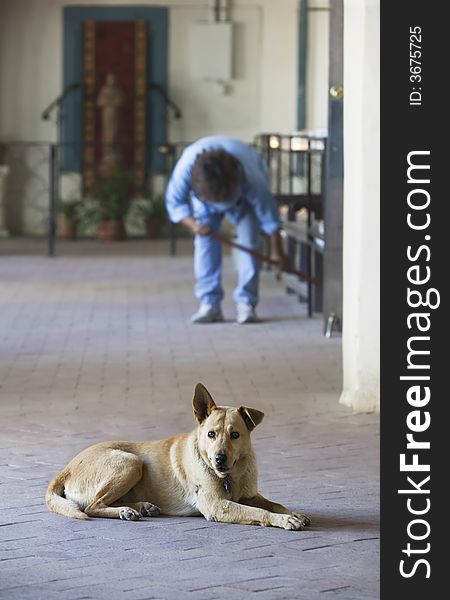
point(254, 190)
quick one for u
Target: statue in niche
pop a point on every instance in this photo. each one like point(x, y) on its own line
point(110, 100)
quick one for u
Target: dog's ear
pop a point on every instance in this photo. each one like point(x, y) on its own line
point(203, 403)
point(251, 416)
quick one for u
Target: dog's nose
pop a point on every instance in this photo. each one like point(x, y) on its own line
point(221, 460)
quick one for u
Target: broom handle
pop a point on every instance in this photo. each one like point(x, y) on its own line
point(266, 259)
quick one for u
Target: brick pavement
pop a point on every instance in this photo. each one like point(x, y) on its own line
point(96, 344)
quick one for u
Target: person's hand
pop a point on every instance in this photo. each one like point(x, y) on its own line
point(278, 254)
point(201, 229)
point(283, 264)
point(195, 227)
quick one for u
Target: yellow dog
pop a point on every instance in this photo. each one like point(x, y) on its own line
point(211, 471)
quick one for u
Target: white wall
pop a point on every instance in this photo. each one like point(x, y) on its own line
point(361, 315)
point(206, 109)
point(278, 60)
point(317, 64)
point(262, 97)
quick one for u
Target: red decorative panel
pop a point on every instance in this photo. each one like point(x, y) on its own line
point(120, 48)
point(89, 107)
point(140, 103)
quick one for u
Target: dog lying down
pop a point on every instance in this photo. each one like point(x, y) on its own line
point(211, 471)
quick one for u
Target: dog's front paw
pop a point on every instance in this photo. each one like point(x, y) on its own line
point(303, 518)
point(129, 514)
point(292, 522)
point(149, 510)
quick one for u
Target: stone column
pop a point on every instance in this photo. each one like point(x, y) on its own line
point(361, 247)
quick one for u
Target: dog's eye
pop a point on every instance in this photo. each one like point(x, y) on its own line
point(234, 435)
point(212, 434)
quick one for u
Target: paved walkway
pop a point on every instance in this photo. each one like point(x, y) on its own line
point(96, 344)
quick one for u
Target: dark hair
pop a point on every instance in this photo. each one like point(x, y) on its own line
point(215, 175)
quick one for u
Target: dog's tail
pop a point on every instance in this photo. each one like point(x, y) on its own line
point(57, 503)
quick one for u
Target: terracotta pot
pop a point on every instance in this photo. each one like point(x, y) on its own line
point(111, 231)
point(67, 228)
point(153, 228)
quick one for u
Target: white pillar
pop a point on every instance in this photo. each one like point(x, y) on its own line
point(361, 244)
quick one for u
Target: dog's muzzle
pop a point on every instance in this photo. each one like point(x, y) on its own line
point(221, 462)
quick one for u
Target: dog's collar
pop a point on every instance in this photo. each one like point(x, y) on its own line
point(227, 484)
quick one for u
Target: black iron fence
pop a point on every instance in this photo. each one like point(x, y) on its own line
point(296, 164)
point(30, 191)
point(36, 182)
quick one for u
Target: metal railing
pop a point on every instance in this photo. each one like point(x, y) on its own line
point(295, 161)
point(35, 184)
point(31, 188)
point(296, 164)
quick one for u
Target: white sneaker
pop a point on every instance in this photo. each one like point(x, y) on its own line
point(245, 313)
point(207, 313)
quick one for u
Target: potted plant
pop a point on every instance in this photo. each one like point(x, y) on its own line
point(69, 212)
point(152, 212)
point(110, 205)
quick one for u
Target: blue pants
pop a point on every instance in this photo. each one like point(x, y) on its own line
point(208, 262)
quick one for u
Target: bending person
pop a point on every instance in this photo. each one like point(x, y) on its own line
point(217, 177)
